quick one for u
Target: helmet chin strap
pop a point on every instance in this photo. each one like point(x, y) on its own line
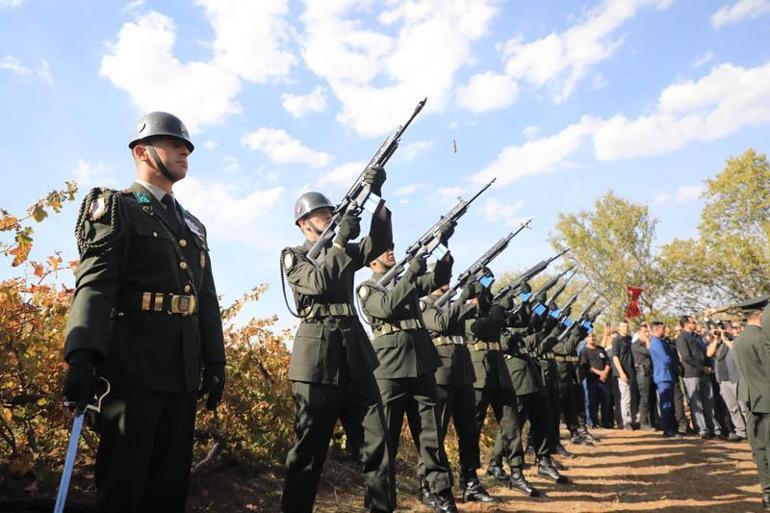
point(315, 229)
point(383, 264)
point(159, 165)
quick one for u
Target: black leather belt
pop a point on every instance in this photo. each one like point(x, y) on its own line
point(161, 302)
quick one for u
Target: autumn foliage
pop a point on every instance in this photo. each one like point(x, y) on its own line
point(253, 424)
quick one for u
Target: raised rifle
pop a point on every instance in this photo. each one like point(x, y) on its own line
point(527, 275)
point(359, 196)
point(476, 270)
point(538, 299)
point(431, 240)
point(563, 312)
point(580, 320)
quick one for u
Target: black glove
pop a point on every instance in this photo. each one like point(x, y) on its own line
point(442, 273)
point(484, 300)
point(507, 302)
point(446, 232)
point(350, 228)
point(525, 288)
point(417, 267)
point(468, 292)
point(213, 384)
point(375, 177)
point(80, 383)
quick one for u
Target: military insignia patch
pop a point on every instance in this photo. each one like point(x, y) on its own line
point(288, 260)
point(363, 291)
point(142, 198)
point(194, 228)
point(98, 208)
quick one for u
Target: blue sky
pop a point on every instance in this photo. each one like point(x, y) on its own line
point(561, 100)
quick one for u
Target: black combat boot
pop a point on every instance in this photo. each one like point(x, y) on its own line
point(562, 451)
point(588, 437)
point(473, 491)
point(547, 469)
point(497, 471)
point(426, 496)
point(520, 484)
point(445, 502)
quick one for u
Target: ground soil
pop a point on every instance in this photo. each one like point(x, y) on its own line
point(627, 471)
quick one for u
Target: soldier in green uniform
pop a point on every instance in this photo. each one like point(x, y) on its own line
point(753, 359)
point(565, 356)
point(455, 380)
point(332, 360)
point(408, 360)
point(145, 316)
point(493, 386)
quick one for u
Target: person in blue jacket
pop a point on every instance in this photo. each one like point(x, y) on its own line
point(664, 374)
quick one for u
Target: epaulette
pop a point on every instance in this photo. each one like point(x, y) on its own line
point(101, 206)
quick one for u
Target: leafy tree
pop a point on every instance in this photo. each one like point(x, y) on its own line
point(730, 259)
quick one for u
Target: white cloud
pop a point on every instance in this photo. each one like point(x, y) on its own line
point(412, 149)
point(408, 189)
point(283, 148)
point(133, 6)
point(230, 164)
point(536, 156)
point(299, 105)
point(342, 176)
point(226, 210)
point(248, 45)
point(15, 66)
point(496, 211)
point(718, 104)
point(11, 4)
point(89, 175)
point(487, 91)
point(379, 73)
point(531, 131)
point(739, 11)
point(661, 198)
point(447, 194)
point(561, 60)
point(704, 59)
point(210, 145)
point(687, 193)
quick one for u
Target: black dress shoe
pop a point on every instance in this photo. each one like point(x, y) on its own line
point(497, 471)
point(562, 451)
point(735, 438)
point(707, 436)
point(445, 503)
point(426, 496)
point(547, 469)
point(520, 484)
point(673, 434)
point(474, 492)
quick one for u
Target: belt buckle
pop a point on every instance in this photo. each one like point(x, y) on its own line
point(183, 305)
point(331, 323)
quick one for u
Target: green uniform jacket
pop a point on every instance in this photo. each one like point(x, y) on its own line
point(488, 365)
point(320, 351)
point(456, 365)
point(129, 244)
point(567, 347)
point(524, 370)
point(407, 353)
point(752, 358)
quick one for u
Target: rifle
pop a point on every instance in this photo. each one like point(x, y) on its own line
point(359, 196)
point(539, 299)
point(581, 319)
point(559, 291)
point(563, 313)
point(527, 275)
point(476, 270)
point(430, 240)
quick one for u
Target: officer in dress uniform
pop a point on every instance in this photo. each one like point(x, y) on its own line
point(753, 359)
point(455, 380)
point(145, 317)
point(332, 360)
point(408, 360)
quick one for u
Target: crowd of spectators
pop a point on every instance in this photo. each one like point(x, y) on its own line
point(650, 379)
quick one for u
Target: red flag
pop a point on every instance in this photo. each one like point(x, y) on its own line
point(632, 310)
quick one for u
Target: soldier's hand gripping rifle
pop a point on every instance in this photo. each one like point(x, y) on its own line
point(359, 196)
point(563, 313)
point(581, 319)
point(431, 240)
point(539, 299)
point(526, 276)
point(477, 269)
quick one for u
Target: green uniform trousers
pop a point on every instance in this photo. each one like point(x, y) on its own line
point(145, 451)
point(357, 405)
point(418, 396)
point(505, 408)
point(758, 431)
point(568, 407)
point(535, 408)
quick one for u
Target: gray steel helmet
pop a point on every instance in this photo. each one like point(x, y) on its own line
point(308, 202)
point(160, 123)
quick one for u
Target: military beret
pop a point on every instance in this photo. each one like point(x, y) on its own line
point(757, 303)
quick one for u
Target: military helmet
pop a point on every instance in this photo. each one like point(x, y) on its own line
point(309, 202)
point(160, 123)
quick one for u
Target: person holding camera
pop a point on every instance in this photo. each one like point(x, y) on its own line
point(728, 375)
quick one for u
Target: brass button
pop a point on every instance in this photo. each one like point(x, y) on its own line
point(187, 289)
point(182, 243)
point(183, 265)
point(155, 234)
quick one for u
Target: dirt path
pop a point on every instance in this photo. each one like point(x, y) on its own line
point(625, 472)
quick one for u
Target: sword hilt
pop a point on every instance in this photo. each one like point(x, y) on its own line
point(95, 407)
